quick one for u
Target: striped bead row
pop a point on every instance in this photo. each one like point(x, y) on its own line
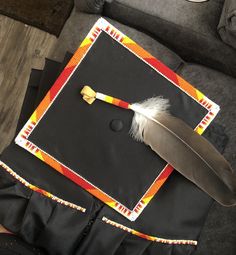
point(112, 100)
point(148, 237)
point(38, 190)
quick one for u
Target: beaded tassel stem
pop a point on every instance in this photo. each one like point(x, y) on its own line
point(89, 95)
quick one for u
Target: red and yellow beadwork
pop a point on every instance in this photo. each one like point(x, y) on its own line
point(103, 26)
point(112, 100)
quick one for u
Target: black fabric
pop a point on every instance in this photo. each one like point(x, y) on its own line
point(49, 75)
point(30, 98)
point(48, 15)
point(29, 216)
point(51, 71)
point(66, 59)
point(227, 24)
point(179, 210)
point(115, 155)
point(51, 68)
point(13, 245)
point(89, 6)
point(191, 46)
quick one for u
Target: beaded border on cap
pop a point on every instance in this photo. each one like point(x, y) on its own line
point(23, 137)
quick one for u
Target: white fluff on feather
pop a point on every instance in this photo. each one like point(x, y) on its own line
point(144, 111)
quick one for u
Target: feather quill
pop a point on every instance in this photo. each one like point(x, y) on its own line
point(188, 152)
point(178, 144)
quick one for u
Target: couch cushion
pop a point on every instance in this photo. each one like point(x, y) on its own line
point(227, 25)
point(201, 18)
point(79, 24)
point(89, 6)
point(188, 28)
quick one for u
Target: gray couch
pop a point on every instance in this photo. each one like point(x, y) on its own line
point(195, 51)
point(189, 29)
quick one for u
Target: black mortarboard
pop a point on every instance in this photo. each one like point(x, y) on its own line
point(91, 144)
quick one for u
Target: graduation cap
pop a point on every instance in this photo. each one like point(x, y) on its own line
point(91, 145)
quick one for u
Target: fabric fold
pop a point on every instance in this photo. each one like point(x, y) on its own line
point(227, 24)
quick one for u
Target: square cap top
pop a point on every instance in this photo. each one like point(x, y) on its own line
point(91, 144)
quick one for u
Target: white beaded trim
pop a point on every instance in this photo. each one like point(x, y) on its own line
point(41, 191)
point(148, 237)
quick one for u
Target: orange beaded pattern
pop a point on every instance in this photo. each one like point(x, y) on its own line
point(103, 26)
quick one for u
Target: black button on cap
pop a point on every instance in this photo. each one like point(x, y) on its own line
point(116, 125)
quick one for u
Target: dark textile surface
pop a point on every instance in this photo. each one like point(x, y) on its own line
point(48, 76)
point(13, 245)
point(192, 16)
point(47, 224)
point(48, 15)
point(227, 25)
point(27, 215)
point(194, 46)
point(89, 6)
point(40, 82)
point(30, 98)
